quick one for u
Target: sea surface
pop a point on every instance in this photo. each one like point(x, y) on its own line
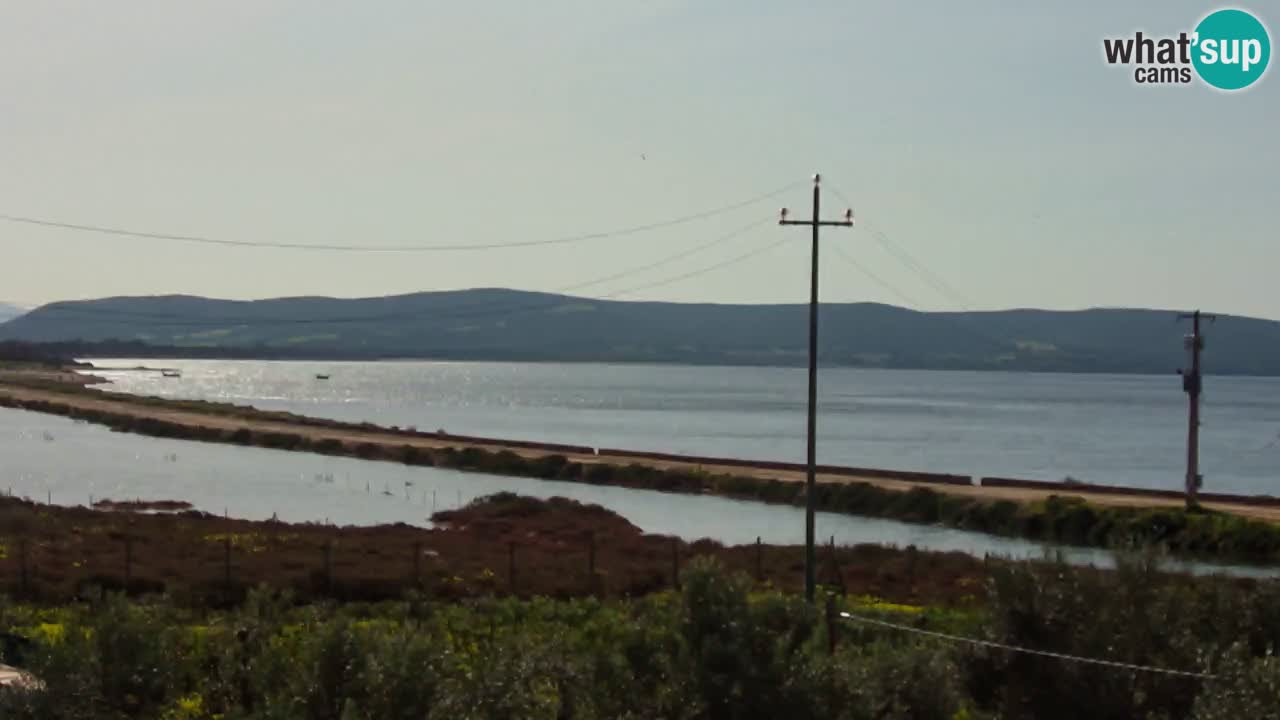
point(1111, 429)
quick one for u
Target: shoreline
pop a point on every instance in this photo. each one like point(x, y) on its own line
point(985, 370)
point(1097, 516)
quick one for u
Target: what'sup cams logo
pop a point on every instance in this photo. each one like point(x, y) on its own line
point(1229, 49)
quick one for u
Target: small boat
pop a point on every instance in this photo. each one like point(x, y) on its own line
point(320, 376)
point(171, 373)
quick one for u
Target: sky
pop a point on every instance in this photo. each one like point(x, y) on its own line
point(986, 141)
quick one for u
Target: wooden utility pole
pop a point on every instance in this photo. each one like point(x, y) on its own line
point(811, 441)
point(1192, 385)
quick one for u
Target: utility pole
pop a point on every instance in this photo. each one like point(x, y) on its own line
point(1192, 385)
point(815, 222)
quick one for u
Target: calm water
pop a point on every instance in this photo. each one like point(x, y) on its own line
point(1127, 430)
point(71, 463)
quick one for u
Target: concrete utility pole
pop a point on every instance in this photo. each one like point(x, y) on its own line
point(815, 222)
point(1192, 385)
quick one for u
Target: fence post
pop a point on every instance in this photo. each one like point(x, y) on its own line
point(417, 560)
point(128, 563)
point(835, 567)
point(831, 624)
point(226, 564)
point(328, 565)
point(675, 563)
point(511, 566)
point(22, 549)
point(759, 561)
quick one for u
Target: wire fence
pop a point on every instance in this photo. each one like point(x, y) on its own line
point(63, 552)
point(53, 553)
point(339, 565)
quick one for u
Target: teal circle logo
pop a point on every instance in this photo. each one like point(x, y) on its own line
point(1231, 49)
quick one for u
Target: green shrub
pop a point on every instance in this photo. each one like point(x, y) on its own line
point(598, 474)
point(472, 458)
point(548, 467)
point(328, 446)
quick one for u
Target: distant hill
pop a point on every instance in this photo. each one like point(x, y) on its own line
point(514, 325)
point(9, 312)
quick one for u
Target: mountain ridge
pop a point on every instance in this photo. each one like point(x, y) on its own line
point(504, 324)
point(8, 311)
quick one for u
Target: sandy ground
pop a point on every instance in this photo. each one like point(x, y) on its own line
point(123, 405)
point(10, 676)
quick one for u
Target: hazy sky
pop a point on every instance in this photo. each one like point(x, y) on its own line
point(988, 139)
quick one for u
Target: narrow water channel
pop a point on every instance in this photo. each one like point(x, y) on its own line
point(67, 462)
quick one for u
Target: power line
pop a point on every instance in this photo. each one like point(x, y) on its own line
point(940, 285)
point(472, 311)
point(695, 273)
point(672, 258)
point(874, 277)
point(924, 273)
point(959, 321)
point(198, 239)
point(1027, 651)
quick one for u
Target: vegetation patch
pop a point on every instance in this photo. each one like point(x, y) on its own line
point(718, 648)
point(505, 544)
point(142, 505)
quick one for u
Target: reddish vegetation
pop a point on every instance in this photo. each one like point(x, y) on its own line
point(142, 505)
point(529, 521)
point(53, 553)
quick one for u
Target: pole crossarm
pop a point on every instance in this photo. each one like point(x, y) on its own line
point(821, 223)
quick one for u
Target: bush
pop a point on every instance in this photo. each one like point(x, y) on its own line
point(328, 446)
point(598, 474)
point(472, 458)
point(883, 680)
point(412, 455)
point(549, 467)
point(1247, 688)
point(738, 656)
point(279, 440)
point(712, 651)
